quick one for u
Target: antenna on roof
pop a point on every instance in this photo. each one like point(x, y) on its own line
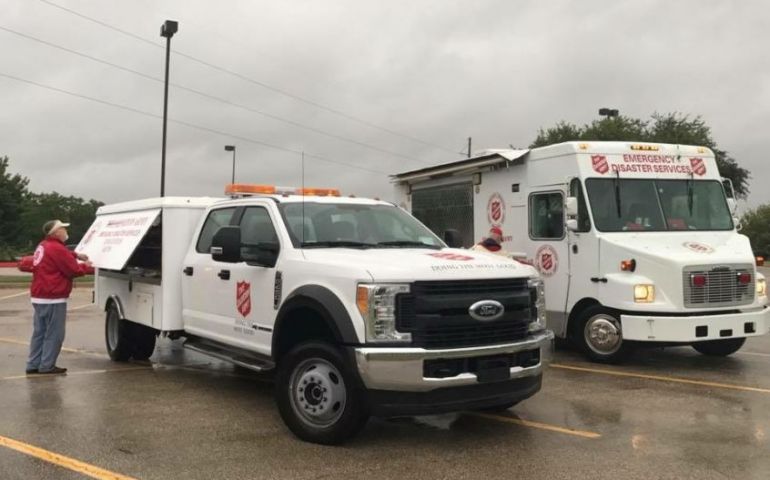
point(303, 199)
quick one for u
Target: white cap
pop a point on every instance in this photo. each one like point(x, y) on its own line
point(52, 225)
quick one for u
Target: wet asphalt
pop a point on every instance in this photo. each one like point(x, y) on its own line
point(664, 414)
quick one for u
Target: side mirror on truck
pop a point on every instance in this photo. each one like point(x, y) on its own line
point(732, 205)
point(226, 245)
point(571, 206)
point(261, 255)
point(572, 225)
point(452, 238)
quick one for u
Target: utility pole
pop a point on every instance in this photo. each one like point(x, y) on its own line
point(167, 30)
point(469, 146)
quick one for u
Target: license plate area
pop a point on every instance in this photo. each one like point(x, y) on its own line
point(493, 369)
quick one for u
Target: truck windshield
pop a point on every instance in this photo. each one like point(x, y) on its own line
point(658, 205)
point(329, 225)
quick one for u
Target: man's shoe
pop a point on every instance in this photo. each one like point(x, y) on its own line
point(31, 371)
point(53, 371)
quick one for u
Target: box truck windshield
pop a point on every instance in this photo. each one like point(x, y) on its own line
point(658, 205)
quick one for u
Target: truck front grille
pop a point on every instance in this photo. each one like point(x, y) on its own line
point(722, 287)
point(436, 313)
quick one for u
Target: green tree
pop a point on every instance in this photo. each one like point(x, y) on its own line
point(13, 191)
point(41, 207)
point(756, 226)
point(661, 128)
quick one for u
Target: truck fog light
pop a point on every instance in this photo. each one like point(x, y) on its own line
point(377, 305)
point(644, 293)
point(761, 287)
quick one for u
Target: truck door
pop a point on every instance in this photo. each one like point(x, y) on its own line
point(255, 282)
point(208, 291)
point(548, 246)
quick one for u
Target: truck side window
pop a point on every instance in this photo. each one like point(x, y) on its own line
point(546, 216)
point(257, 232)
point(576, 190)
point(215, 220)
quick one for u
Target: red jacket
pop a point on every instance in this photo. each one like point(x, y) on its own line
point(54, 269)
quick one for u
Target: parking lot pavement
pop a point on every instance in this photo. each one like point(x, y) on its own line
point(665, 413)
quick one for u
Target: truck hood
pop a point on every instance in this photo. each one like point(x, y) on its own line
point(413, 264)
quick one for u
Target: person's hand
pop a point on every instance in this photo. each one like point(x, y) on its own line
point(82, 256)
point(88, 263)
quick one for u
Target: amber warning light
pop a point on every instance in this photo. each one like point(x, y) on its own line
point(242, 189)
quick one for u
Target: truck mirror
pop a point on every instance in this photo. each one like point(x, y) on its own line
point(571, 206)
point(572, 225)
point(732, 205)
point(262, 255)
point(226, 245)
point(452, 238)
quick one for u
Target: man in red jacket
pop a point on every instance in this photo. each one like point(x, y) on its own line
point(54, 267)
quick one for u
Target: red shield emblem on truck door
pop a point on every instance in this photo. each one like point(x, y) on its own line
point(698, 166)
point(600, 164)
point(243, 298)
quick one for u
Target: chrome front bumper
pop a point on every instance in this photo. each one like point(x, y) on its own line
point(401, 369)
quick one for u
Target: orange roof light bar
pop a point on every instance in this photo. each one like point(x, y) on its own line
point(319, 192)
point(249, 189)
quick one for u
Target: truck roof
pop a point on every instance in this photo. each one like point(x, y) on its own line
point(158, 202)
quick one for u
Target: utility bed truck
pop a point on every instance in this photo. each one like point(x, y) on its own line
point(359, 308)
point(636, 242)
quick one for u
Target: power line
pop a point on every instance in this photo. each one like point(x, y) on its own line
point(211, 97)
point(254, 81)
point(187, 124)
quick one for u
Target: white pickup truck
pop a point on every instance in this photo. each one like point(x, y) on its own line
point(358, 307)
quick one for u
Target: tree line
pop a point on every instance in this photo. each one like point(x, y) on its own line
point(23, 213)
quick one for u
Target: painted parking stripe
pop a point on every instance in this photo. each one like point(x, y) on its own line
point(662, 378)
point(753, 354)
point(537, 425)
point(77, 372)
point(64, 349)
point(61, 460)
point(81, 307)
point(15, 295)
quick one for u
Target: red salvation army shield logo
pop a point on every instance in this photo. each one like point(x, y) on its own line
point(546, 260)
point(496, 209)
point(600, 164)
point(243, 298)
point(699, 247)
point(698, 166)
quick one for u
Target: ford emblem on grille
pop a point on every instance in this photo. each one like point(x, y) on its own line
point(486, 310)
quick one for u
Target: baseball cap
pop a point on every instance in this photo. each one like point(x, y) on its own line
point(496, 230)
point(52, 225)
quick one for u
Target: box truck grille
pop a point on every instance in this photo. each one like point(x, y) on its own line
point(721, 287)
point(436, 313)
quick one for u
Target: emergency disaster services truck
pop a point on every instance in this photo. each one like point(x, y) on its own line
point(636, 242)
point(359, 308)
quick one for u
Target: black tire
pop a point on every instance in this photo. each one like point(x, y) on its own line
point(598, 332)
point(315, 375)
point(117, 335)
point(143, 344)
point(719, 348)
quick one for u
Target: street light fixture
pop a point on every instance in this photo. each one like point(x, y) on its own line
point(231, 148)
point(167, 30)
point(609, 112)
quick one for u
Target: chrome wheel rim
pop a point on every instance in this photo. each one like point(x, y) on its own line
point(113, 329)
point(317, 392)
point(602, 334)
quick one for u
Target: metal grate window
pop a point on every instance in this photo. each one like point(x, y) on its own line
point(718, 286)
point(446, 207)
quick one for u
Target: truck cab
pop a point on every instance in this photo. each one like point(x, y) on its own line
point(357, 307)
point(636, 242)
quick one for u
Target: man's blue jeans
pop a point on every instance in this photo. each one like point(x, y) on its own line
point(47, 337)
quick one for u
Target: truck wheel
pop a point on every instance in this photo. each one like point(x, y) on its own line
point(600, 335)
point(318, 395)
point(117, 335)
point(143, 341)
point(719, 348)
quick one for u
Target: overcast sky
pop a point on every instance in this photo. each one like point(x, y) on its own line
point(412, 80)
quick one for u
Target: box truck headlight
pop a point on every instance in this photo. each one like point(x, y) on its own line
point(537, 293)
point(377, 304)
point(644, 293)
point(761, 287)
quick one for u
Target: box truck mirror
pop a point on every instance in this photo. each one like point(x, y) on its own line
point(732, 205)
point(571, 206)
point(452, 238)
point(572, 225)
point(226, 245)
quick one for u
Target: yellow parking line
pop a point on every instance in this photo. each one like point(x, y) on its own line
point(755, 354)
point(64, 349)
point(80, 307)
point(79, 372)
point(61, 460)
point(662, 378)
point(538, 425)
point(15, 295)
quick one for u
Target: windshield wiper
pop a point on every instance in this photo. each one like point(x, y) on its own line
point(407, 243)
point(337, 243)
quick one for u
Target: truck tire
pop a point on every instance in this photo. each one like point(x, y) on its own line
point(719, 348)
point(143, 341)
point(117, 335)
point(600, 337)
point(318, 394)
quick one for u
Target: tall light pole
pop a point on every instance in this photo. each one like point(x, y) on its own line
point(231, 148)
point(168, 29)
point(609, 112)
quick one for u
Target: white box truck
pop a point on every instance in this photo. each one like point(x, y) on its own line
point(636, 242)
point(357, 306)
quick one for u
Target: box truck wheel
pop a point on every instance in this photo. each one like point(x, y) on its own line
point(719, 348)
point(318, 395)
point(117, 333)
point(600, 335)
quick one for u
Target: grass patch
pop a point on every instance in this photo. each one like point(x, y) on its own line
point(28, 279)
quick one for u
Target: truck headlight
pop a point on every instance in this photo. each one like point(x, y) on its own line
point(644, 293)
point(761, 287)
point(537, 293)
point(377, 304)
